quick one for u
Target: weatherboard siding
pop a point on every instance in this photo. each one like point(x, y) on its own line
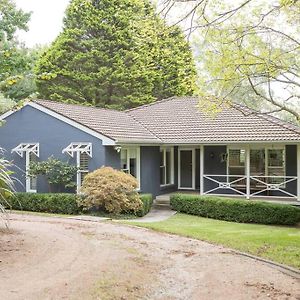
point(32, 126)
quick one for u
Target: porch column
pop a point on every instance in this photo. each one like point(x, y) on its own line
point(247, 161)
point(201, 170)
point(298, 172)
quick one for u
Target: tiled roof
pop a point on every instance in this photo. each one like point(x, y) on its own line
point(117, 125)
point(179, 121)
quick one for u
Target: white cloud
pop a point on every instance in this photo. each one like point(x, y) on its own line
point(46, 20)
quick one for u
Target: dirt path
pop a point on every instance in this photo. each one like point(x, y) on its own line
point(53, 258)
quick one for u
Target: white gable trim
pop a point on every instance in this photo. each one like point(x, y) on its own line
point(106, 141)
point(7, 114)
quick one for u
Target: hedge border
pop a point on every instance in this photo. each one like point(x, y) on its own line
point(233, 210)
point(62, 203)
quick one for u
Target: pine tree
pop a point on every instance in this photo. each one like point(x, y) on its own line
point(116, 54)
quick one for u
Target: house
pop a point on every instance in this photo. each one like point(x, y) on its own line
point(169, 145)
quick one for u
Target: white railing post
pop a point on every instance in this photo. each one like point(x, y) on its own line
point(247, 172)
point(201, 170)
point(298, 172)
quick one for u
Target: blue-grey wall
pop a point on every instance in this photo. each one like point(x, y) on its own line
point(30, 125)
point(214, 165)
point(150, 171)
point(291, 167)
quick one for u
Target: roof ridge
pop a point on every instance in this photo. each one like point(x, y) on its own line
point(78, 104)
point(270, 118)
point(150, 104)
point(144, 126)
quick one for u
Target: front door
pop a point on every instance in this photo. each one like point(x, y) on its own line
point(186, 170)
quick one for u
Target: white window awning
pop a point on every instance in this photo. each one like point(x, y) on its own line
point(27, 148)
point(78, 148)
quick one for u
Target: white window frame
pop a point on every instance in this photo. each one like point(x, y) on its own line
point(266, 149)
point(138, 161)
point(164, 150)
point(27, 148)
point(77, 148)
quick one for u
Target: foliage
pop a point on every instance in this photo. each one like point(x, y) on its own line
point(248, 51)
point(116, 54)
point(50, 203)
point(16, 61)
point(5, 104)
point(12, 19)
point(6, 183)
point(56, 172)
point(110, 190)
point(256, 57)
point(17, 80)
point(236, 210)
point(147, 201)
point(278, 243)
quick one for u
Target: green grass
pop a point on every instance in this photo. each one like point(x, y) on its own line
point(277, 243)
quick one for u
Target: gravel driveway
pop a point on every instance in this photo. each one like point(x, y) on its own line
point(58, 258)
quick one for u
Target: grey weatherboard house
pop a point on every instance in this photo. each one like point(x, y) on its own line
point(169, 145)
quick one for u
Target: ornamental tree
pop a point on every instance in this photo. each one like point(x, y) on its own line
point(110, 190)
point(116, 54)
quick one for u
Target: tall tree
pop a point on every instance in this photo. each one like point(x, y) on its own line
point(117, 54)
point(16, 61)
point(249, 50)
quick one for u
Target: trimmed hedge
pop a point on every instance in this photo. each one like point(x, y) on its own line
point(61, 203)
point(50, 203)
point(147, 200)
point(234, 210)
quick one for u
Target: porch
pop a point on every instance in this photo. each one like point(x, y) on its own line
point(268, 172)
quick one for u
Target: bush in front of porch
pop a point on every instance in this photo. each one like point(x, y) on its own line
point(234, 210)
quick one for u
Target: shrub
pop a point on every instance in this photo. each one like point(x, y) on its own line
point(51, 203)
point(58, 173)
point(110, 190)
point(236, 210)
point(147, 201)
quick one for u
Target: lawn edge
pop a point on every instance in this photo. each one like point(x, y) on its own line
point(286, 269)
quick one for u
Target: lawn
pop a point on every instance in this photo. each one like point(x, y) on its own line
point(277, 243)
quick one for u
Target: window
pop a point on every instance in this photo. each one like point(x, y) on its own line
point(276, 165)
point(257, 162)
point(83, 152)
point(83, 166)
point(32, 151)
point(236, 161)
point(267, 162)
point(166, 166)
point(130, 161)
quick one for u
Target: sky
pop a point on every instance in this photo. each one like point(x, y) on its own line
point(46, 20)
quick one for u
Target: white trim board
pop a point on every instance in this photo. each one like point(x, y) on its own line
point(106, 141)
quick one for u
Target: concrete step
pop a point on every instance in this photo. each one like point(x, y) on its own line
point(163, 197)
point(162, 201)
point(161, 206)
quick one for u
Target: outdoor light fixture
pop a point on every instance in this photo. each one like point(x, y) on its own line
point(118, 148)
